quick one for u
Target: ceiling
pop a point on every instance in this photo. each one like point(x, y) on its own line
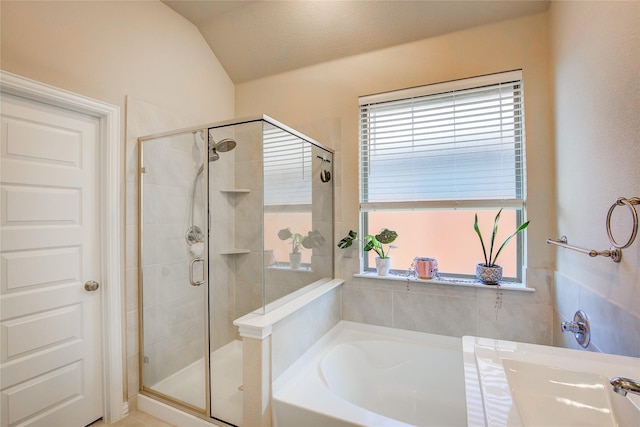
point(254, 39)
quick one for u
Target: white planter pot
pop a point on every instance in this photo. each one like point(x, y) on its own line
point(269, 257)
point(382, 265)
point(489, 275)
point(295, 259)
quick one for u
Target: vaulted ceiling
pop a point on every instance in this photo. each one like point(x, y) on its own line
point(254, 39)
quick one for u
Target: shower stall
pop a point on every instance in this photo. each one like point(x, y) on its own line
point(234, 217)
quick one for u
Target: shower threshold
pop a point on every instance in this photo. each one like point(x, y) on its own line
point(187, 385)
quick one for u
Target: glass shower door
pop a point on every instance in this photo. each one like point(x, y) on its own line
point(173, 272)
point(218, 207)
point(235, 258)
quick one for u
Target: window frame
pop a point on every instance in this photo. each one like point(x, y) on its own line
point(518, 203)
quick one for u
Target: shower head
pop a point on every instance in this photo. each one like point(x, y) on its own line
point(213, 155)
point(225, 145)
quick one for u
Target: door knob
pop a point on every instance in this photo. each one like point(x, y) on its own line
point(91, 286)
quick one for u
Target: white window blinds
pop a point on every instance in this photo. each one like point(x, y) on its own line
point(287, 168)
point(458, 141)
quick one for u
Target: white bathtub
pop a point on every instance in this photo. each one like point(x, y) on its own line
point(363, 375)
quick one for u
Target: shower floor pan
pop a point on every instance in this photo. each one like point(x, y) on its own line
point(187, 385)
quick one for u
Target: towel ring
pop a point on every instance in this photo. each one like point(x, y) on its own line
point(634, 214)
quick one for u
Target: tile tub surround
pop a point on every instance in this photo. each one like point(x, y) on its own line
point(290, 340)
point(273, 340)
point(450, 309)
point(613, 329)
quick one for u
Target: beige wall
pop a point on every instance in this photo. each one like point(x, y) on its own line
point(110, 49)
point(596, 63)
point(138, 55)
point(322, 102)
point(314, 99)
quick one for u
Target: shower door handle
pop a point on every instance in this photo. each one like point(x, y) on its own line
point(191, 265)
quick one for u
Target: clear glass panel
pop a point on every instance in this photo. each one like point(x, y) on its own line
point(298, 213)
point(173, 271)
point(220, 221)
point(267, 183)
point(235, 257)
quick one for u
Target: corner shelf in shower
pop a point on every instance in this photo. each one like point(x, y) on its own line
point(235, 190)
point(235, 251)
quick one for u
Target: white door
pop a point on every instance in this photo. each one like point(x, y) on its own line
point(50, 326)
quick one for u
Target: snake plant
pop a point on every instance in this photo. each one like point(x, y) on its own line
point(490, 261)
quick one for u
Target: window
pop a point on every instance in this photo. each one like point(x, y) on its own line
point(287, 169)
point(434, 156)
point(287, 160)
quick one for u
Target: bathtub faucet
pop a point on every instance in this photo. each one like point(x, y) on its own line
point(579, 328)
point(624, 385)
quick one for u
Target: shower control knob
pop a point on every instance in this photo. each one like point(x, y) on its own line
point(91, 286)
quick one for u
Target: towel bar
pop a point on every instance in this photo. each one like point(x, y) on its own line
point(615, 253)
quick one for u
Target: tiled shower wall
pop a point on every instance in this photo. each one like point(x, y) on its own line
point(173, 310)
point(236, 224)
point(243, 228)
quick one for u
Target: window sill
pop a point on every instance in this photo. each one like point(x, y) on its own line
point(473, 283)
point(304, 268)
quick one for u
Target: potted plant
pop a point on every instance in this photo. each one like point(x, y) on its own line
point(489, 272)
point(375, 243)
point(313, 239)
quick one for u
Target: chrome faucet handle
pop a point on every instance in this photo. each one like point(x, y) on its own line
point(579, 328)
point(573, 327)
point(623, 385)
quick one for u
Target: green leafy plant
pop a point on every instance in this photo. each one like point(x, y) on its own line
point(371, 242)
point(490, 261)
point(313, 239)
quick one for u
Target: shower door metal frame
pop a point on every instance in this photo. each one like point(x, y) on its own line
point(206, 414)
point(169, 400)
